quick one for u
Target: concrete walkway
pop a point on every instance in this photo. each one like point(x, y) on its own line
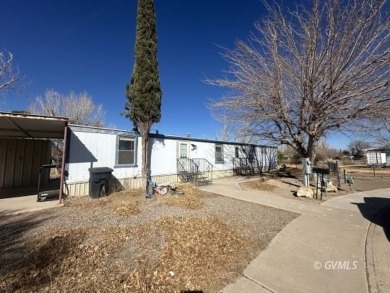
point(21, 204)
point(338, 246)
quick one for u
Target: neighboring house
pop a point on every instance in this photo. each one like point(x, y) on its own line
point(172, 158)
point(378, 156)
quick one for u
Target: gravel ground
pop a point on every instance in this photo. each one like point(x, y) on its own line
point(202, 241)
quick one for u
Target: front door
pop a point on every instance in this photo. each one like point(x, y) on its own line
point(183, 162)
point(183, 152)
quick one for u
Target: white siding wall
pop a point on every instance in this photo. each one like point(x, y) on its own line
point(89, 149)
point(98, 149)
point(375, 157)
point(206, 150)
point(163, 156)
point(267, 157)
point(92, 149)
point(165, 152)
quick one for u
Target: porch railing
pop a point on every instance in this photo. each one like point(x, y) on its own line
point(197, 170)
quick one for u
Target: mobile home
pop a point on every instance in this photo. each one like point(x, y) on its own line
point(172, 158)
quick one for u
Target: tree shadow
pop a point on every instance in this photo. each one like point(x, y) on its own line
point(285, 174)
point(17, 191)
point(12, 244)
point(115, 185)
point(28, 259)
point(79, 152)
point(377, 210)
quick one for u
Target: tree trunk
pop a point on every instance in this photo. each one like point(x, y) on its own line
point(145, 161)
point(311, 147)
point(144, 129)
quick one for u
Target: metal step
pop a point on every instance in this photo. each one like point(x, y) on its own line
point(203, 182)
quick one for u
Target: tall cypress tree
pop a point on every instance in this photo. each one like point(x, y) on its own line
point(143, 105)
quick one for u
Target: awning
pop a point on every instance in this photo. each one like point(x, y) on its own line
point(27, 126)
point(14, 125)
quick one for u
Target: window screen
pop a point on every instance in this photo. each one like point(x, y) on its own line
point(218, 153)
point(126, 151)
point(183, 149)
point(236, 153)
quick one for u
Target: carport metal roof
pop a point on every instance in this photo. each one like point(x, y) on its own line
point(14, 125)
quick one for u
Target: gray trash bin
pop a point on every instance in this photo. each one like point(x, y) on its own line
point(99, 180)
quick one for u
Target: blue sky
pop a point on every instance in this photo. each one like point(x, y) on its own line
point(88, 45)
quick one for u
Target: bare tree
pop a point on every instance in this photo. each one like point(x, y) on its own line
point(383, 137)
point(236, 133)
point(357, 148)
point(322, 67)
point(8, 73)
point(378, 131)
point(358, 145)
point(324, 152)
point(79, 108)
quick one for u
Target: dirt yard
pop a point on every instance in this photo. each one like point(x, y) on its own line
point(195, 242)
point(286, 183)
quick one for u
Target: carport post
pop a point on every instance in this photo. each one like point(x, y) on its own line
point(63, 162)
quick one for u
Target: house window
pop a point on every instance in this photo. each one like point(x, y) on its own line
point(252, 154)
point(183, 150)
point(125, 151)
point(236, 152)
point(219, 154)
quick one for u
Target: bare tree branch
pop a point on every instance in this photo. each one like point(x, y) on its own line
point(378, 131)
point(8, 73)
point(79, 108)
point(320, 68)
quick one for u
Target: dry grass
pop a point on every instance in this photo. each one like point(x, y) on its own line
point(188, 198)
point(259, 185)
point(189, 258)
point(125, 243)
point(123, 203)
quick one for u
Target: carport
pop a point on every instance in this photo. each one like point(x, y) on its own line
point(25, 142)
